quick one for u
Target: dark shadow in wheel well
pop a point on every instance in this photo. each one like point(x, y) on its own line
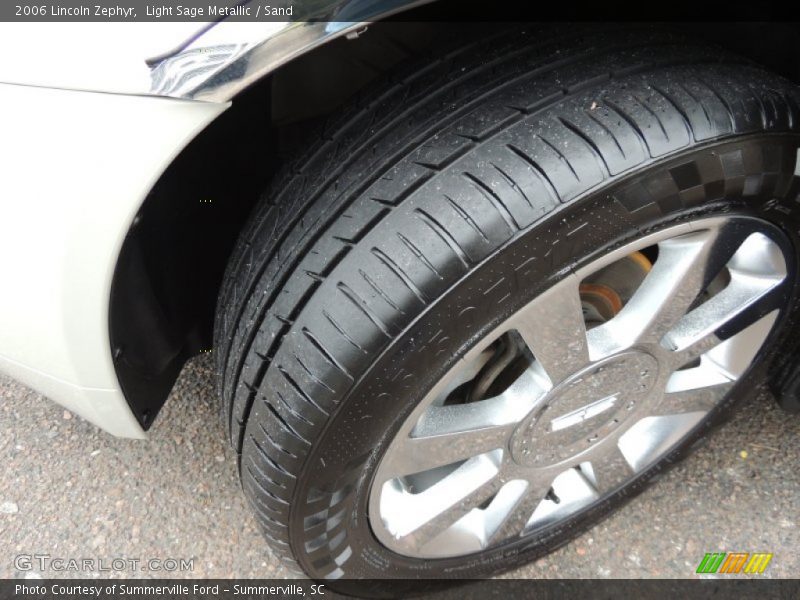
point(169, 271)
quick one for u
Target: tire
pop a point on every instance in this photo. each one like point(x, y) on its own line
point(431, 211)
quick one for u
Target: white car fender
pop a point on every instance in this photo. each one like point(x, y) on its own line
point(76, 167)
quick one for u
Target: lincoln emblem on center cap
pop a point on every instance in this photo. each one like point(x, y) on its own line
point(583, 410)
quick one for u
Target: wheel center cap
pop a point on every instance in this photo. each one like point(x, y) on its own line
point(587, 407)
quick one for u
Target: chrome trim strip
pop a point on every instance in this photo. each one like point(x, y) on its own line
point(230, 56)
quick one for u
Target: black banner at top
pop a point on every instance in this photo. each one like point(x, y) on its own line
point(366, 10)
point(161, 10)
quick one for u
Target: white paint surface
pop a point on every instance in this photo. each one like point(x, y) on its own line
point(74, 170)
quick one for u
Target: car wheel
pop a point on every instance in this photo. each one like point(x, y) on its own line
point(502, 293)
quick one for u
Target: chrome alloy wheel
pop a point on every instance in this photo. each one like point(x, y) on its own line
point(546, 416)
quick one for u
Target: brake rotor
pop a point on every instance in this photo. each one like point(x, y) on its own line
point(606, 292)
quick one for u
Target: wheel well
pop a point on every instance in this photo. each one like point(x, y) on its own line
point(169, 271)
point(171, 264)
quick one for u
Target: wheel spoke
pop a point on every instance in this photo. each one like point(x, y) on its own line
point(428, 532)
point(553, 327)
point(675, 282)
point(443, 502)
point(742, 303)
point(427, 452)
point(450, 433)
point(515, 520)
point(686, 265)
point(693, 400)
point(610, 469)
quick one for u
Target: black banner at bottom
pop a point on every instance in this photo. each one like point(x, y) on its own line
point(213, 589)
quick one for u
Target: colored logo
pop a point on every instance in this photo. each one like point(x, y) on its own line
point(734, 563)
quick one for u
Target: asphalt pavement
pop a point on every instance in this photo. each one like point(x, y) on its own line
point(70, 491)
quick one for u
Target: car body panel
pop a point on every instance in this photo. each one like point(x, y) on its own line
point(104, 57)
point(76, 168)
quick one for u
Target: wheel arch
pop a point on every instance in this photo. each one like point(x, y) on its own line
point(170, 267)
